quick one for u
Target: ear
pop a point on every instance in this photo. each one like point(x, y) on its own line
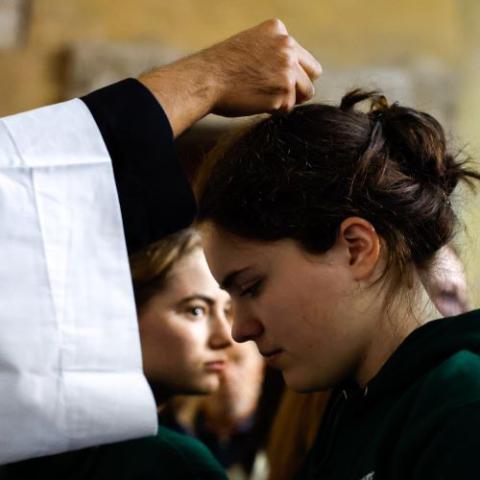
point(361, 242)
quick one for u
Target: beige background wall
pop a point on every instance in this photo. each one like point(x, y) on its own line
point(342, 33)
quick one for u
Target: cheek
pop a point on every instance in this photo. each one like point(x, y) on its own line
point(306, 316)
point(173, 340)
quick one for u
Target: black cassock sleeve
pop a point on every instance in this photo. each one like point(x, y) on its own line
point(155, 196)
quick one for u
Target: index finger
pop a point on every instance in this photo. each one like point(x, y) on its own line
point(308, 62)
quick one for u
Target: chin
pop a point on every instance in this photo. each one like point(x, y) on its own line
point(206, 386)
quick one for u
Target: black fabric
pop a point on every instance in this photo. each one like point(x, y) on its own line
point(155, 196)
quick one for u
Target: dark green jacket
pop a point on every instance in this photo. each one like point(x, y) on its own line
point(167, 456)
point(418, 419)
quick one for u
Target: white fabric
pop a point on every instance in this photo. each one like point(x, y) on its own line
point(70, 360)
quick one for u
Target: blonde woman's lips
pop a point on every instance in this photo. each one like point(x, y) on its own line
point(215, 366)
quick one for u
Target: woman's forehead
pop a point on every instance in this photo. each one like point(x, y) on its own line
point(190, 269)
point(191, 276)
point(228, 254)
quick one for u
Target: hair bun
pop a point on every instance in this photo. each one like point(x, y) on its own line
point(417, 142)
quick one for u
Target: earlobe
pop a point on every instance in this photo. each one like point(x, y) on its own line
point(362, 244)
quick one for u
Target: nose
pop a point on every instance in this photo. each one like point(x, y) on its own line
point(220, 336)
point(245, 325)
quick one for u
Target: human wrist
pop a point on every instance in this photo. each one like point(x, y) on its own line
point(187, 90)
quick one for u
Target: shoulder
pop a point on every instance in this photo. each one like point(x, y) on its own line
point(177, 456)
point(452, 450)
point(456, 380)
point(449, 388)
point(441, 428)
point(181, 445)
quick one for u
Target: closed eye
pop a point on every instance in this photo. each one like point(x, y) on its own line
point(252, 290)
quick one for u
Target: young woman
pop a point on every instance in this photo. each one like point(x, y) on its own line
point(183, 315)
point(321, 224)
point(300, 414)
point(184, 321)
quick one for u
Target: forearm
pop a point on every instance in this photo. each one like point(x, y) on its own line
point(185, 91)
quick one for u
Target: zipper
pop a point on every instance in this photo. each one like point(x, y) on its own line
point(326, 438)
point(328, 430)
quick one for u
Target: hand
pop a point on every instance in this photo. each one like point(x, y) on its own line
point(262, 69)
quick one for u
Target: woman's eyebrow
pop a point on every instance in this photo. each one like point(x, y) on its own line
point(230, 278)
point(197, 296)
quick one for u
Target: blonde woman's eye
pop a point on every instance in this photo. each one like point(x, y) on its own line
point(197, 311)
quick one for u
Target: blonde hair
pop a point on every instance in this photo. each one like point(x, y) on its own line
point(150, 266)
point(294, 431)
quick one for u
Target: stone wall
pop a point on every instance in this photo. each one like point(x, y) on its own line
point(14, 19)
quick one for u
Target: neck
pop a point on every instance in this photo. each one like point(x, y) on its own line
point(225, 425)
point(160, 394)
point(404, 316)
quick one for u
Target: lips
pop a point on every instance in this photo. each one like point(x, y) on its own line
point(215, 366)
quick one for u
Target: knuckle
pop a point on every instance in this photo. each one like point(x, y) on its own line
point(284, 85)
point(287, 53)
point(275, 24)
point(288, 61)
point(289, 81)
point(286, 42)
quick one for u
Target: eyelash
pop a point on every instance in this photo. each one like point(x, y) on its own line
point(252, 291)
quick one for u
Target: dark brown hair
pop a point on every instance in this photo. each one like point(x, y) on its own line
point(150, 267)
point(299, 175)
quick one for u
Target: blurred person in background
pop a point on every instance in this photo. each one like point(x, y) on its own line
point(184, 322)
point(446, 283)
point(226, 420)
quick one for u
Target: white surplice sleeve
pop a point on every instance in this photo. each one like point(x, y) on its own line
point(70, 360)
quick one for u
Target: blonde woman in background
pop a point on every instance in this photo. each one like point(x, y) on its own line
point(226, 420)
point(184, 322)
